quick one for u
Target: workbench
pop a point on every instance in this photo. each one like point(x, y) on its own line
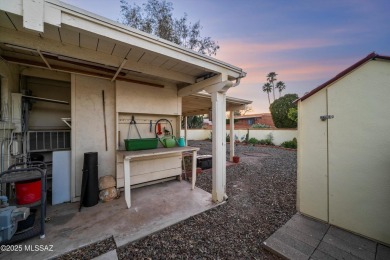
point(128, 156)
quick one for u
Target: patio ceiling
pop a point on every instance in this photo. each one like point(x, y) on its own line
point(200, 103)
point(74, 40)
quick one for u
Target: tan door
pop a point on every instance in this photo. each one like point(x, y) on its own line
point(359, 151)
point(313, 157)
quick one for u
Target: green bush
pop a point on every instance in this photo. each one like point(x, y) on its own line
point(290, 144)
point(260, 126)
point(253, 141)
point(279, 111)
point(268, 141)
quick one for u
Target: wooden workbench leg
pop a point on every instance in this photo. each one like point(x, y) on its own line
point(193, 169)
point(126, 166)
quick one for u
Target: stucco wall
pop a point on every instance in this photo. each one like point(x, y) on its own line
point(88, 125)
point(279, 135)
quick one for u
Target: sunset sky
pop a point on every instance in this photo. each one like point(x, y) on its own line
point(305, 42)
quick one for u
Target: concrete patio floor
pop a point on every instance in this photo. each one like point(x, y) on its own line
point(153, 208)
point(305, 238)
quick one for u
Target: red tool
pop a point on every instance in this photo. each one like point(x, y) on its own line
point(159, 129)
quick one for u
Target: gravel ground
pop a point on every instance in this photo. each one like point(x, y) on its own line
point(262, 197)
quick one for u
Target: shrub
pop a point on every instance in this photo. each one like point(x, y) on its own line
point(253, 141)
point(279, 111)
point(260, 126)
point(290, 144)
point(268, 140)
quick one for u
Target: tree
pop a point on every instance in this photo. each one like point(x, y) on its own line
point(155, 17)
point(280, 86)
point(246, 110)
point(193, 122)
point(267, 87)
point(279, 111)
point(293, 114)
point(271, 78)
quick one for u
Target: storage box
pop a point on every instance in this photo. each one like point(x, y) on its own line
point(141, 144)
point(204, 161)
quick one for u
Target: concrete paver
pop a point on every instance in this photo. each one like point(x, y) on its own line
point(383, 252)
point(110, 255)
point(305, 238)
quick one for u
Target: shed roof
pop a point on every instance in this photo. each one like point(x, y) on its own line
point(371, 56)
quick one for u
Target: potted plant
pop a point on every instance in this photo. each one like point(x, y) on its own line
point(236, 159)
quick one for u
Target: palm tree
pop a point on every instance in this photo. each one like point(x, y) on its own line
point(271, 78)
point(267, 87)
point(280, 86)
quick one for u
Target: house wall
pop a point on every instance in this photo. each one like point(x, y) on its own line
point(9, 75)
point(146, 103)
point(353, 148)
point(88, 126)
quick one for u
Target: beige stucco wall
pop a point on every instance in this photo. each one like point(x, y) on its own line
point(146, 103)
point(312, 178)
point(88, 125)
point(279, 135)
point(358, 152)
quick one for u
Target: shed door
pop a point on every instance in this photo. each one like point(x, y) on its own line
point(359, 153)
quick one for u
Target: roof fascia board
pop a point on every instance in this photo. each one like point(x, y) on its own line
point(199, 86)
point(57, 13)
point(141, 41)
point(228, 98)
point(47, 45)
point(14, 6)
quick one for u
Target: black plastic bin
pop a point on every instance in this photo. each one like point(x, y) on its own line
point(90, 182)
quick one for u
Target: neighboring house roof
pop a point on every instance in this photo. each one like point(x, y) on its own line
point(251, 116)
point(371, 56)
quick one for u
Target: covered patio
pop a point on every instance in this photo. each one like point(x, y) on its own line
point(57, 63)
point(153, 208)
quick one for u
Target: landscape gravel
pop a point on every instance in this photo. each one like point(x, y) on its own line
point(262, 197)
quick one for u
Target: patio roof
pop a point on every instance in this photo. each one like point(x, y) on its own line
point(74, 40)
point(200, 103)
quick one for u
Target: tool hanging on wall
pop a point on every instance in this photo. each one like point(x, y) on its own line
point(104, 117)
point(150, 125)
point(132, 122)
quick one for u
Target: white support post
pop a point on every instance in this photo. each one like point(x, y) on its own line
point(185, 129)
point(232, 135)
point(126, 170)
point(219, 146)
